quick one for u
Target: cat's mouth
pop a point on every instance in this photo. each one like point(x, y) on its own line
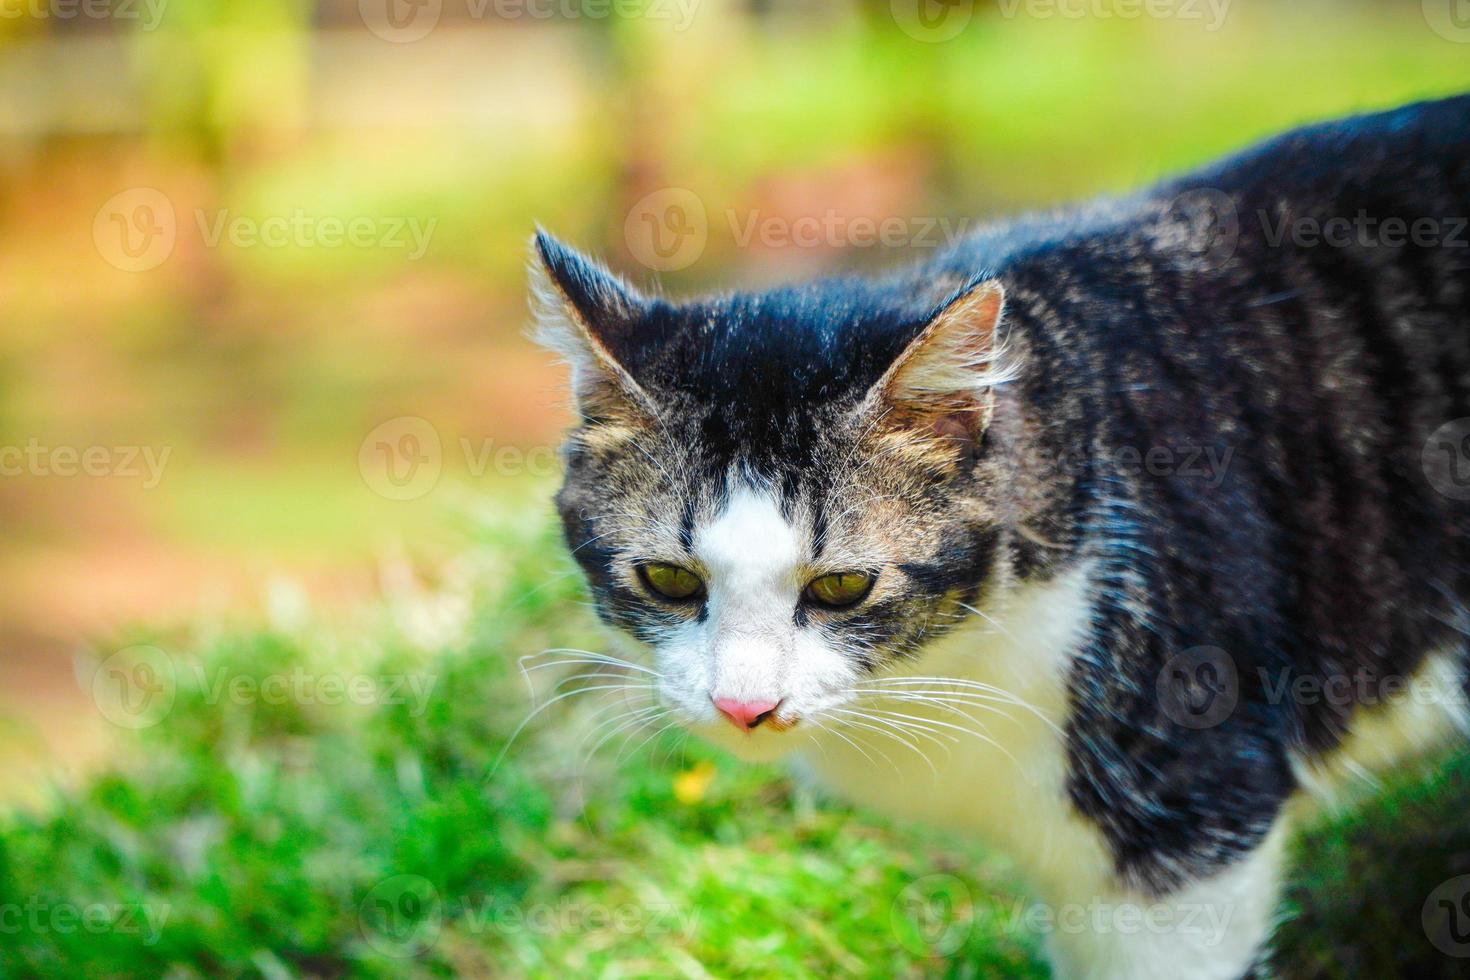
point(766, 733)
point(767, 743)
point(780, 724)
point(753, 731)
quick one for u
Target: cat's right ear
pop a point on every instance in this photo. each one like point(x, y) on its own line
point(583, 313)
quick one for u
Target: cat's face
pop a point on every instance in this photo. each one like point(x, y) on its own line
point(782, 494)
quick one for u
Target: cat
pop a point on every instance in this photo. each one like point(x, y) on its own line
point(1105, 536)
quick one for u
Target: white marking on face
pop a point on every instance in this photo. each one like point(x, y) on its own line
point(753, 555)
point(749, 646)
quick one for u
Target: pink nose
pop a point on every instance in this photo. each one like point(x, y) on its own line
point(745, 715)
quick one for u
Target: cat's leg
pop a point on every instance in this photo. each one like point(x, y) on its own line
point(1215, 928)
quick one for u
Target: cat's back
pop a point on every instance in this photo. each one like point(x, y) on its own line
point(1301, 308)
point(1411, 162)
point(1372, 155)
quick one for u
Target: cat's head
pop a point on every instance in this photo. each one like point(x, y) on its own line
point(782, 493)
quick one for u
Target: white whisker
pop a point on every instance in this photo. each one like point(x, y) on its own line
point(656, 734)
point(505, 749)
point(894, 731)
point(967, 731)
point(861, 751)
point(629, 720)
point(987, 617)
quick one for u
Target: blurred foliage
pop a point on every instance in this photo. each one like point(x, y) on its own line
point(1355, 906)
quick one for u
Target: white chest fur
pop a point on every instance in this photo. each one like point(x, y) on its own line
point(1006, 782)
point(1011, 792)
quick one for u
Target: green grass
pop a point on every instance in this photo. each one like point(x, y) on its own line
point(278, 837)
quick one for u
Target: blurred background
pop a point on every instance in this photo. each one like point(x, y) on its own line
point(262, 264)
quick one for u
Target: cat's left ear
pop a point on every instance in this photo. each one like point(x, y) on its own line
point(586, 314)
point(944, 378)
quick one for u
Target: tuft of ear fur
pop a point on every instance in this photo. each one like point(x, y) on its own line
point(945, 375)
point(582, 312)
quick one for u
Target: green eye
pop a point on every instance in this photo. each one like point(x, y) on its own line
point(840, 589)
point(671, 581)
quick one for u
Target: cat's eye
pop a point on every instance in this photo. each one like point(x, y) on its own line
point(671, 581)
point(839, 589)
